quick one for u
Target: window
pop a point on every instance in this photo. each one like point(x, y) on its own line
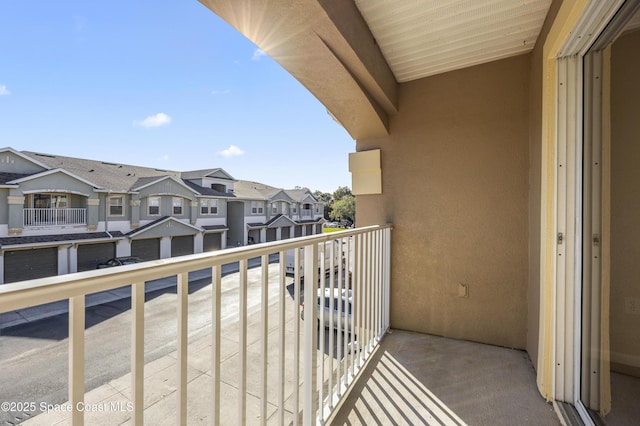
point(154, 206)
point(177, 205)
point(116, 206)
point(257, 207)
point(50, 201)
point(294, 209)
point(274, 209)
point(208, 207)
point(218, 187)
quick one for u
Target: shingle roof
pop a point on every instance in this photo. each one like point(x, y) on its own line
point(207, 191)
point(113, 176)
point(261, 191)
point(8, 177)
point(35, 239)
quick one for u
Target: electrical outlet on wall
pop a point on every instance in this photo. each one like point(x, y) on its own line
point(632, 305)
point(463, 290)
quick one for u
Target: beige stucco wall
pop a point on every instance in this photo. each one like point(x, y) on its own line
point(455, 172)
point(625, 202)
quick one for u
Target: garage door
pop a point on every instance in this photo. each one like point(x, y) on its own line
point(146, 249)
point(285, 233)
point(212, 242)
point(89, 255)
point(182, 245)
point(22, 265)
point(271, 234)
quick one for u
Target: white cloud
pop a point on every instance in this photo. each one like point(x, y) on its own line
point(164, 158)
point(160, 119)
point(4, 91)
point(232, 151)
point(257, 54)
point(220, 92)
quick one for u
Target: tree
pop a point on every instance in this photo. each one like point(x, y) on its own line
point(344, 208)
point(342, 191)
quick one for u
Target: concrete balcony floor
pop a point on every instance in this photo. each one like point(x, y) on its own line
point(412, 378)
point(422, 379)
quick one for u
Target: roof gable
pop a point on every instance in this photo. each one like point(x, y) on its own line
point(282, 220)
point(146, 182)
point(12, 161)
point(217, 173)
point(51, 172)
point(281, 195)
point(164, 227)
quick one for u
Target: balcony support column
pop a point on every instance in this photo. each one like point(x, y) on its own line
point(93, 213)
point(16, 207)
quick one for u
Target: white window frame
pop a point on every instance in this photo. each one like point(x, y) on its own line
point(177, 202)
point(208, 207)
point(257, 207)
point(110, 199)
point(154, 202)
point(580, 83)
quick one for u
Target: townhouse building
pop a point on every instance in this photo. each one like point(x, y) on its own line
point(62, 214)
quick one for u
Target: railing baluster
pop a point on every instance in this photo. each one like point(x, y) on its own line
point(281, 324)
point(264, 333)
point(310, 333)
point(216, 283)
point(76, 358)
point(343, 313)
point(332, 307)
point(137, 352)
point(242, 345)
point(321, 276)
point(296, 333)
point(183, 340)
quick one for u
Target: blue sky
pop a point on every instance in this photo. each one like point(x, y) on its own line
point(164, 84)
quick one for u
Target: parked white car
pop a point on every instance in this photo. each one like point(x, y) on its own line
point(338, 260)
point(342, 307)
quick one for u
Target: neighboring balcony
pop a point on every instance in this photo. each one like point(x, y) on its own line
point(54, 216)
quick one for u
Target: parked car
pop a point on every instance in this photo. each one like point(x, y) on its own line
point(119, 261)
point(342, 307)
point(290, 259)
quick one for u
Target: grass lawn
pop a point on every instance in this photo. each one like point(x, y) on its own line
point(332, 229)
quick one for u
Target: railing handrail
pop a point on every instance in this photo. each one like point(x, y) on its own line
point(38, 291)
point(54, 208)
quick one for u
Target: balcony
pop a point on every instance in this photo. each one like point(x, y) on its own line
point(258, 362)
point(54, 217)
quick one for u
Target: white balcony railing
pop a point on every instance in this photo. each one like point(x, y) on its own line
point(326, 360)
point(54, 217)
